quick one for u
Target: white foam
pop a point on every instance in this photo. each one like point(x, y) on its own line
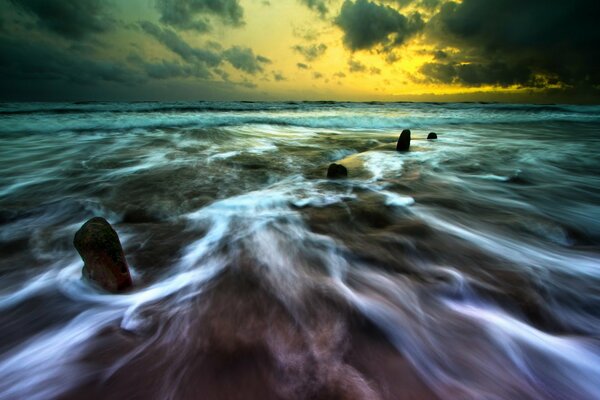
point(382, 164)
point(527, 255)
point(397, 200)
point(47, 365)
point(222, 156)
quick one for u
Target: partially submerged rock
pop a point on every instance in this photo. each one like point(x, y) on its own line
point(104, 261)
point(432, 135)
point(336, 171)
point(403, 141)
point(355, 167)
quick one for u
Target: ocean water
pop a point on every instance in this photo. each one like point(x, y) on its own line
point(466, 268)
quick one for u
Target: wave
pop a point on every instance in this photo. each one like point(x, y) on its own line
point(148, 121)
point(200, 106)
point(33, 117)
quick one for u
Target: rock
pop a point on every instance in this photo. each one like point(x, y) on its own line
point(336, 171)
point(403, 141)
point(432, 135)
point(104, 261)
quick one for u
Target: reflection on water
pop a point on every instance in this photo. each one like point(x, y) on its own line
point(466, 268)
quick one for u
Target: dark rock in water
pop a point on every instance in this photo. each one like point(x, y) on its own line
point(432, 135)
point(104, 261)
point(403, 141)
point(336, 171)
point(138, 216)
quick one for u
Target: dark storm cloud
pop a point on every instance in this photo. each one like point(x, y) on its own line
point(171, 40)
point(34, 63)
point(311, 52)
point(367, 24)
point(514, 42)
point(244, 59)
point(191, 14)
point(499, 73)
point(167, 70)
point(68, 18)
point(164, 69)
point(241, 58)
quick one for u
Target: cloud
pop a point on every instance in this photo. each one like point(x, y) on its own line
point(317, 75)
point(505, 42)
point(246, 83)
point(28, 68)
point(367, 24)
point(1, 23)
point(241, 58)
point(167, 70)
point(356, 66)
point(425, 5)
point(498, 73)
point(262, 59)
point(319, 6)
point(223, 74)
point(440, 55)
point(244, 59)
point(302, 66)
point(67, 18)
point(430, 4)
point(278, 76)
point(177, 45)
point(34, 71)
point(192, 14)
point(306, 33)
point(311, 52)
point(164, 69)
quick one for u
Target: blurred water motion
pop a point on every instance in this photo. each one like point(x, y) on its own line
point(466, 268)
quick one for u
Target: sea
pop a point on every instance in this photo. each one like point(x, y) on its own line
point(465, 268)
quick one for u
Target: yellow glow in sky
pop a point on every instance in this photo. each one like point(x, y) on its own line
point(389, 50)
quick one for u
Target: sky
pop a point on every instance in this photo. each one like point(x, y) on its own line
point(543, 51)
